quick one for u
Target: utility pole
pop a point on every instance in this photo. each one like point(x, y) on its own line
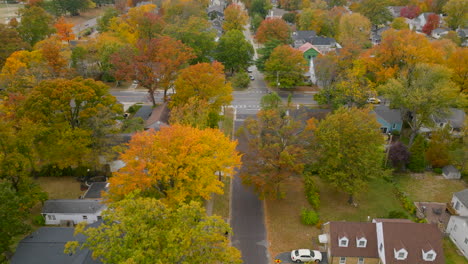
point(277, 79)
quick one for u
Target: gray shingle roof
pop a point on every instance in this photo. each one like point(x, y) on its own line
point(449, 169)
point(462, 196)
point(304, 34)
point(392, 116)
point(144, 112)
point(322, 41)
point(78, 206)
point(46, 245)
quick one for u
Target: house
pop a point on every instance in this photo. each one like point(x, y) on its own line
point(276, 13)
point(460, 202)
point(95, 190)
point(215, 11)
point(71, 212)
point(389, 119)
point(457, 229)
point(144, 112)
point(217, 25)
point(463, 34)
point(324, 44)
point(46, 245)
point(309, 51)
point(301, 37)
point(419, 22)
point(395, 10)
point(158, 118)
point(351, 242)
point(450, 172)
point(409, 243)
point(439, 32)
point(454, 118)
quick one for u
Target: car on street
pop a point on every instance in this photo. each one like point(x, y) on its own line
point(249, 70)
point(251, 77)
point(306, 255)
point(373, 100)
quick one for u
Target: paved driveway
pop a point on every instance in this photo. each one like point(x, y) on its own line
point(285, 258)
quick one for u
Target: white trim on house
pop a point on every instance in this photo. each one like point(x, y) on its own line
point(343, 242)
point(361, 242)
point(380, 241)
point(400, 254)
point(429, 255)
point(457, 229)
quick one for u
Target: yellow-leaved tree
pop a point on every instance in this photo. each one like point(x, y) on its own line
point(176, 164)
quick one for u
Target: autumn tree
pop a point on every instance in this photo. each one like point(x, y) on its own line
point(234, 18)
point(457, 63)
point(333, 3)
point(399, 23)
point(103, 22)
point(35, 25)
point(194, 112)
point(196, 33)
point(234, 51)
point(264, 53)
point(457, 13)
point(424, 91)
point(326, 72)
point(64, 30)
point(23, 69)
point(144, 230)
point(180, 11)
point(260, 7)
point(154, 64)
point(376, 11)
point(431, 24)
point(312, 19)
point(276, 151)
point(399, 155)
point(400, 50)
point(285, 67)
point(354, 30)
point(348, 149)
point(55, 55)
point(273, 28)
point(410, 11)
point(353, 87)
point(438, 148)
point(11, 42)
point(176, 164)
point(206, 82)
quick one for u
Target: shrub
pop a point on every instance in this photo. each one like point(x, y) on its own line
point(290, 17)
point(311, 191)
point(397, 215)
point(438, 170)
point(134, 108)
point(395, 132)
point(38, 220)
point(309, 217)
point(417, 161)
point(240, 80)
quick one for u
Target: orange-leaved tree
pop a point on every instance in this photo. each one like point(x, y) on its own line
point(154, 64)
point(176, 164)
point(235, 17)
point(64, 30)
point(273, 28)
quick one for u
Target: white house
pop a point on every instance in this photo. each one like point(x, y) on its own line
point(73, 212)
point(457, 229)
point(460, 202)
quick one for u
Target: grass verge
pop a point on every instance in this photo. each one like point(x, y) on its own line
point(227, 124)
point(221, 201)
point(450, 252)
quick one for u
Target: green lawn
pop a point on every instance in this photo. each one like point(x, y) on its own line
point(429, 187)
point(451, 255)
point(376, 200)
point(60, 187)
point(221, 201)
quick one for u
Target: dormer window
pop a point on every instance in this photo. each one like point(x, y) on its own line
point(400, 254)
point(343, 242)
point(430, 255)
point(361, 242)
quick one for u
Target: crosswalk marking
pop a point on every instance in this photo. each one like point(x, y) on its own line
point(246, 106)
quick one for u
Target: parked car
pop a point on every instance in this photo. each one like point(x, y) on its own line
point(373, 100)
point(306, 255)
point(251, 77)
point(249, 70)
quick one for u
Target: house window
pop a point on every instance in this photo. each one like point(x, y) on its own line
point(360, 261)
point(85, 217)
point(361, 243)
point(401, 255)
point(342, 260)
point(457, 205)
point(381, 247)
point(51, 217)
point(343, 242)
point(430, 256)
point(384, 130)
point(466, 240)
point(394, 126)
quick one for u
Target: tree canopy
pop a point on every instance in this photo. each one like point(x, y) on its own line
point(234, 51)
point(273, 28)
point(35, 25)
point(285, 67)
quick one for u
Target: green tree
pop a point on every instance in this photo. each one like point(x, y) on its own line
point(264, 53)
point(286, 67)
point(348, 149)
point(234, 51)
point(11, 42)
point(271, 101)
point(35, 25)
point(424, 91)
point(103, 22)
point(240, 80)
point(332, 3)
point(260, 7)
point(354, 30)
point(144, 230)
point(73, 7)
point(276, 150)
point(417, 161)
point(457, 11)
point(376, 11)
point(399, 23)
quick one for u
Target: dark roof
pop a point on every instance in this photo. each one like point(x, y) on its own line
point(454, 116)
point(304, 34)
point(144, 112)
point(159, 117)
point(462, 196)
point(46, 245)
point(352, 230)
point(77, 206)
point(439, 30)
point(449, 169)
point(462, 32)
point(413, 237)
point(322, 41)
point(94, 191)
point(392, 116)
point(215, 8)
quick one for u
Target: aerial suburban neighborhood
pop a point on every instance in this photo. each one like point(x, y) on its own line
point(233, 131)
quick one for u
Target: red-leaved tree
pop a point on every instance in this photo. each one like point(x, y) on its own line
point(273, 29)
point(431, 24)
point(410, 11)
point(154, 63)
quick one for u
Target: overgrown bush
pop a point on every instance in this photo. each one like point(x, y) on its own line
point(405, 201)
point(311, 191)
point(397, 215)
point(134, 108)
point(132, 125)
point(309, 217)
point(38, 220)
point(417, 161)
point(438, 170)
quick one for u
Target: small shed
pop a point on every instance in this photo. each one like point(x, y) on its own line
point(451, 173)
